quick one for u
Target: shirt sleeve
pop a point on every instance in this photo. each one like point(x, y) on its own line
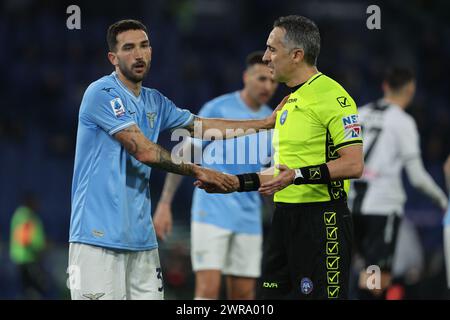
point(340, 116)
point(105, 110)
point(172, 116)
point(409, 144)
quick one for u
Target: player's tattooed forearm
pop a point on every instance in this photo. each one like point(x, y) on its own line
point(164, 162)
point(131, 146)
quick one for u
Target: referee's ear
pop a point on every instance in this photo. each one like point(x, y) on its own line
point(298, 55)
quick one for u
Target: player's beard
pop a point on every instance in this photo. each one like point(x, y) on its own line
point(130, 75)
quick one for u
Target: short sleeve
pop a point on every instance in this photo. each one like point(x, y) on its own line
point(106, 110)
point(172, 116)
point(340, 116)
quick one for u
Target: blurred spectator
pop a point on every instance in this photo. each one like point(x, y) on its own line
point(27, 245)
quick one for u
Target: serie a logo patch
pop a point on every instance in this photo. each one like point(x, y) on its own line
point(117, 107)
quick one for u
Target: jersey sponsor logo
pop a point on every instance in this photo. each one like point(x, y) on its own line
point(270, 285)
point(117, 107)
point(306, 285)
point(291, 100)
point(283, 117)
point(350, 120)
point(107, 89)
point(352, 128)
point(343, 102)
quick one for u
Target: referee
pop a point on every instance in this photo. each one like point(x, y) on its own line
point(318, 146)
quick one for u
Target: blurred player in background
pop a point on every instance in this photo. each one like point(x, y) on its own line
point(226, 231)
point(391, 143)
point(113, 249)
point(27, 246)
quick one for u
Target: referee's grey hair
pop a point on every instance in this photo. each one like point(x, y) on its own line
point(303, 33)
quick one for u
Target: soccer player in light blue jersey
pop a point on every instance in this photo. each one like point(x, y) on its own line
point(226, 229)
point(113, 248)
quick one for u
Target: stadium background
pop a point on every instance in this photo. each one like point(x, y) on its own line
point(198, 51)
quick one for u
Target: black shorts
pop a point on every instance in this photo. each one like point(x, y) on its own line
point(308, 252)
point(375, 239)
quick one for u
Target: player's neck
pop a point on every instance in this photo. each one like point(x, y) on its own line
point(251, 103)
point(397, 100)
point(302, 74)
point(132, 86)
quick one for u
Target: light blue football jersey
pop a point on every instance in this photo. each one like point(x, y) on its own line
point(110, 189)
point(238, 212)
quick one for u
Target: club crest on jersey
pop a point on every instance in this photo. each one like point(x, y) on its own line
point(117, 107)
point(283, 117)
point(151, 116)
point(352, 128)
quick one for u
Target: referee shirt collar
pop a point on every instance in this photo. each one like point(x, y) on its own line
point(314, 77)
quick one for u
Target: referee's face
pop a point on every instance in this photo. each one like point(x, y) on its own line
point(133, 55)
point(277, 56)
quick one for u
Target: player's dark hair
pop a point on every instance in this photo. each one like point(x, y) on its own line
point(397, 77)
point(119, 27)
point(302, 32)
point(255, 57)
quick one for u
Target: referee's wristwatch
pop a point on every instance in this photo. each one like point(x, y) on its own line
point(298, 178)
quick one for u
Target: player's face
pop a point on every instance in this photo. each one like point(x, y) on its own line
point(259, 83)
point(277, 56)
point(133, 55)
point(410, 90)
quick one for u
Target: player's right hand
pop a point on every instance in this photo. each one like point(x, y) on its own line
point(162, 220)
point(216, 182)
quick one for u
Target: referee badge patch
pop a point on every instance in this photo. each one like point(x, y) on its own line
point(352, 128)
point(117, 107)
point(283, 117)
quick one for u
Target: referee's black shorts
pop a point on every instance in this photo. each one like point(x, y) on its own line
point(308, 252)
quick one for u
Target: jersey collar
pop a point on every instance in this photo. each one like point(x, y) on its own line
point(311, 79)
point(124, 87)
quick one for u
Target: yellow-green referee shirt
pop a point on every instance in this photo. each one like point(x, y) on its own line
point(318, 119)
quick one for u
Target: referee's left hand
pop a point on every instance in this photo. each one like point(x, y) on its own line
point(281, 181)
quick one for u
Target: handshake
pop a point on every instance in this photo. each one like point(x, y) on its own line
point(216, 182)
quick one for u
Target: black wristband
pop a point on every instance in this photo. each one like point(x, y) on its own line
point(318, 174)
point(248, 182)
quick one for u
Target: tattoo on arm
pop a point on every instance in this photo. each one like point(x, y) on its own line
point(130, 144)
point(151, 153)
point(164, 162)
